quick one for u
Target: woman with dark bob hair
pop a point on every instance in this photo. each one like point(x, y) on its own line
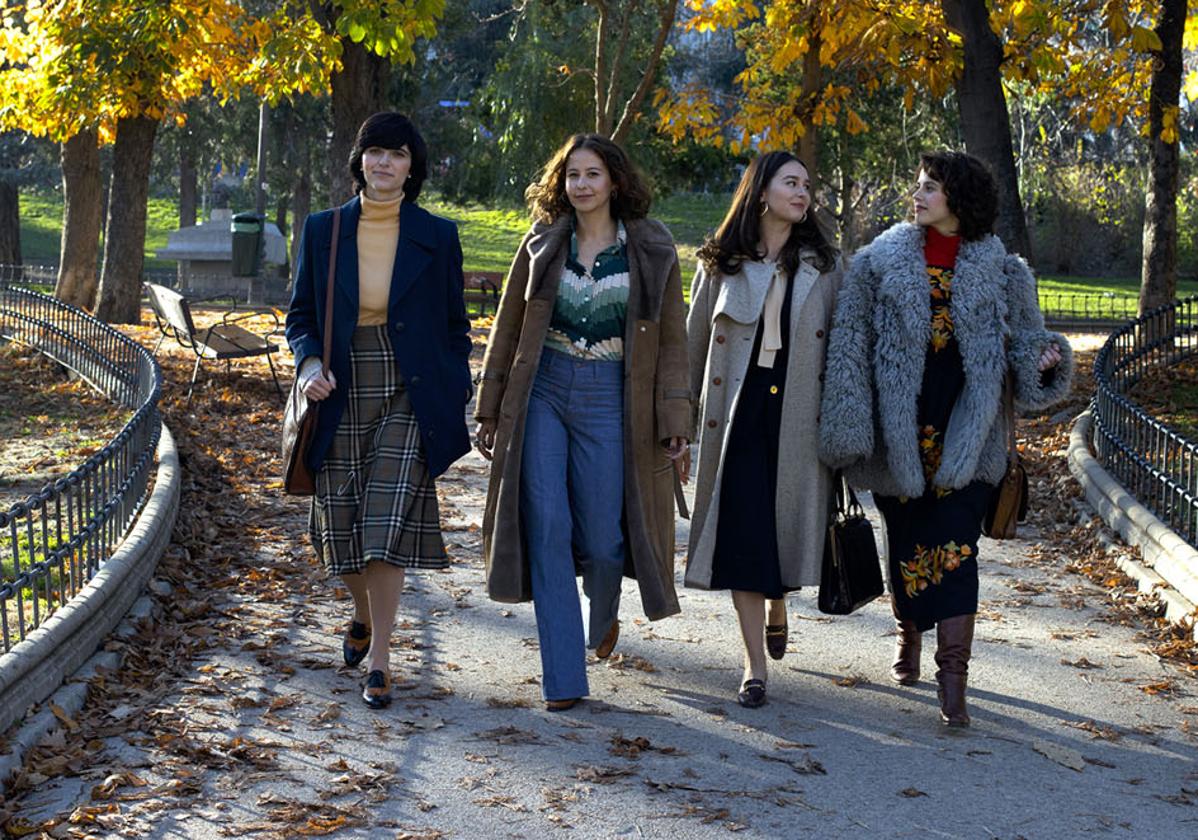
point(393, 401)
point(932, 318)
point(761, 305)
point(583, 404)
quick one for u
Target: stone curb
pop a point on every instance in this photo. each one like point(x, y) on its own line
point(69, 699)
point(34, 668)
point(1170, 567)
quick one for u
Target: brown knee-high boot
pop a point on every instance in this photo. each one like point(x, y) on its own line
point(909, 642)
point(954, 641)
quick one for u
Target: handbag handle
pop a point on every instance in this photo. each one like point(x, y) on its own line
point(328, 300)
point(846, 500)
point(1009, 411)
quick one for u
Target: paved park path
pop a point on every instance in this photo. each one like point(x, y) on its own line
point(1079, 730)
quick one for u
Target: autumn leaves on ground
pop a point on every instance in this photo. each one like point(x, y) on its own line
point(213, 590)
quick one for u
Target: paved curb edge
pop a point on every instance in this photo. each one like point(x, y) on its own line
point(1170, 565)
point(35, 668)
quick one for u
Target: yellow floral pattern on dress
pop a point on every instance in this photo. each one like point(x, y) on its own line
point(929, 565)
point(941, 281)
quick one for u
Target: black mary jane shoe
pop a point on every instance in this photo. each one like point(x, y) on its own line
point(377, 692)
point(751, 694)
point(355, 643)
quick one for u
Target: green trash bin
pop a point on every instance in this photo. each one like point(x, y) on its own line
point(247, 238)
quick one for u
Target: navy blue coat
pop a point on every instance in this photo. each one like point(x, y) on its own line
point(426, 321)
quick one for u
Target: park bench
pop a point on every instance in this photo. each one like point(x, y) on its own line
point(482, 289)
point(223, 341)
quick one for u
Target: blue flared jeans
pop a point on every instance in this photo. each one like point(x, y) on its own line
point(571, 505)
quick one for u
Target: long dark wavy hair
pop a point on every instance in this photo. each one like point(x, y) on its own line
point(547, 199)
point(971, 190)
point(736, 239)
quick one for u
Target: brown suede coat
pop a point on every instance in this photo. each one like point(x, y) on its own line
point(657, 404)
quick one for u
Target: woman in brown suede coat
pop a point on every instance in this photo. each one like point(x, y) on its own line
point(591, 242)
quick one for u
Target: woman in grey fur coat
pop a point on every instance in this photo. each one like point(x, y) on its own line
point(761, 306)
point(930, 317)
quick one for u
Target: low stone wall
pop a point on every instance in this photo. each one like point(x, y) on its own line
point(35, 667)
point(1170, 565)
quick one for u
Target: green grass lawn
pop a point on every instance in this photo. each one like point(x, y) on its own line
point(490, 237)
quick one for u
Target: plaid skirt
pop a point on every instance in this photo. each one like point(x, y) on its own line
point(374, 497)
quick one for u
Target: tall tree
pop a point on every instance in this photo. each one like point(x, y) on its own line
point(984, 118)
point(10, 200)
point(82, 189)
point(610, 70)
point(1158, 279)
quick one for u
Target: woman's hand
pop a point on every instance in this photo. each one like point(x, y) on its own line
point(318, 387)
point(1049, 358)
point(678, 450)
point(484, 437)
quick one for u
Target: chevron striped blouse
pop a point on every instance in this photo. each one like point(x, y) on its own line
point(589, 314)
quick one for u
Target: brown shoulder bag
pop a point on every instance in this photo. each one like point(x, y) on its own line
point(299, 418)
point(1008, 506)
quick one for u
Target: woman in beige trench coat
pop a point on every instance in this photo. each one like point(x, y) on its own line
point(583, 404)
point(761, 306)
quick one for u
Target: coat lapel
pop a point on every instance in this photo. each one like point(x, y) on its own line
point(347, 257)
point(416, 242)
point(742, 295)
point(546, 256)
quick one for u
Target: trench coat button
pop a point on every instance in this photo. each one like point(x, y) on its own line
point(819, 333)
point(711, 424)
point(642, 329)
point(415, 380)
point(773, 389)
point(399, 326)
point(717, 381)
point(719, 339)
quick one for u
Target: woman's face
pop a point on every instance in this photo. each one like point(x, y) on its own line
point(931, 205)
point(385, 171)
point(788, 194)
point(588, 183)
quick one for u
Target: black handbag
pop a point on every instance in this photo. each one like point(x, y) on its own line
point(300, 415)
point(851, 576)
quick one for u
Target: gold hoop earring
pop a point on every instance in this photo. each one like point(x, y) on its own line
point(765, 208)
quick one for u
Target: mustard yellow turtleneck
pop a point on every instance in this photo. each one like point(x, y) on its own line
point(378, 237)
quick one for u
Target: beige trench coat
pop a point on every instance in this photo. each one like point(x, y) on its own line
point(721, 328)
point(657, 405)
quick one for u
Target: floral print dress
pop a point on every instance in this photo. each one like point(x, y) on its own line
point(932, 541)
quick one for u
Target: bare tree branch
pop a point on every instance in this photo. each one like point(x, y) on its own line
point(613, 85)
point(601, 33)
point(666, 23)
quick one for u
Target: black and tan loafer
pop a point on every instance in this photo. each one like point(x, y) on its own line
point(377, 692)
point(609, 641)
point(355, 643)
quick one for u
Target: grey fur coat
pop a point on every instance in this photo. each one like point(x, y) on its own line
point(876, 356)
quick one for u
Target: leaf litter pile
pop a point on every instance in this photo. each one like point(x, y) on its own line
point(181, 733)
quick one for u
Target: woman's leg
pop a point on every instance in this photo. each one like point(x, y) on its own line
point(384, 583)
point(595, 423)
point(545, 516)
point(750, 609)
point(356, 584)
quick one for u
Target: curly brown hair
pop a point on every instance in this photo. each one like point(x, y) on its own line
point(547, 198)
point(971, 190)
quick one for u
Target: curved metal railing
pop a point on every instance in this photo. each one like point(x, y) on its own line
point(1152, 460)
point(55, 540)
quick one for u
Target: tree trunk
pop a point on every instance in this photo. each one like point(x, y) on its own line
point(1158, 278)
point(301, 191)
point(632, 108)
point(124, 248)
point(984, 118)
point(81, 198)
point(187, 181)
point(358, 91)
point(10, 223)
point(813, 78)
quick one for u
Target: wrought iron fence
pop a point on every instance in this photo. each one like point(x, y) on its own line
point(1153, 461)
point(1087, 309)
point(53, 542)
